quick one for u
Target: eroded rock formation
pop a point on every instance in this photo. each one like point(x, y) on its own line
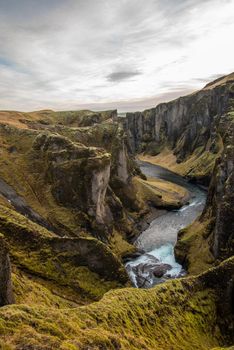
point(79, 175)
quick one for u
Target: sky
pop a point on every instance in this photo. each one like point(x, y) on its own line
point(105, 54)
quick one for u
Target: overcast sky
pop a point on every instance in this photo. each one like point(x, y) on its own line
point(100, 54)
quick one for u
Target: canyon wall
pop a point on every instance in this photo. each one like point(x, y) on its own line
point(6, 292)
point(187, 126)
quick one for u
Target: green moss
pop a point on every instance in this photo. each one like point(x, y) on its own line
point(33, 290)
point(160, 193)
point(119, 245)
point(193, 249)
point(10, 218)
point(179, 314)
point(198, 165)
point(63, 261)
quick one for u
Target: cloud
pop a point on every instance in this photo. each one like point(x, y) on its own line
point(63, 54)
point(122, 75)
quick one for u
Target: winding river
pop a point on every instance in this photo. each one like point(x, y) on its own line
point(157, 263)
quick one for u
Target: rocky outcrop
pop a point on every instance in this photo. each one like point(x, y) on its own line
point(77, 178)
point(122, 168)
point(6, 292)
point(79, 175)
point(64, 223)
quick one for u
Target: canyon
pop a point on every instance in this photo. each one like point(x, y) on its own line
point(74, 201)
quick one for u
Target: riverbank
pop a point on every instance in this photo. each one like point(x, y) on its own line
point(197, 167)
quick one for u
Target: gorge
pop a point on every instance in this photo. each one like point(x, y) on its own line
point(159, 238)
point(82, 193)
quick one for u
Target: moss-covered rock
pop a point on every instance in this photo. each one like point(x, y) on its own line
point(162, 194)
point(86, 265)
point(78, 175)
point(191, 313)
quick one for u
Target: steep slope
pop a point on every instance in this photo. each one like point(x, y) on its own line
point(191, 313)
point(67, 174)
point(6, 293)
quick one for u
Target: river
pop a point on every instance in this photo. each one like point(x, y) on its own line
point(158, 264)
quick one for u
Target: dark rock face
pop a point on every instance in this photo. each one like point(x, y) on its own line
point(183, 124)
point(221, 195)
point(6, 293)
point(56, 257)
point(20, 204)
point(88, 252)
point(187, 126)
point(221, 279)
point(160, 270)
point(216, 220)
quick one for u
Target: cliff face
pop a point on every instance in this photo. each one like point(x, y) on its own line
point(221, 194)
point(78, 175)
point(187, 126)
point(6, 292)
point(214, 230)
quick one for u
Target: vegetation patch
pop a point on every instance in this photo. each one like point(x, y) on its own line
point(179, 314)
point(160, 193)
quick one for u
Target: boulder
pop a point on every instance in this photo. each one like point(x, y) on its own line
point(161, 269)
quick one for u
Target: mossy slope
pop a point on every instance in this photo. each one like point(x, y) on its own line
point(63, 221)
point(181, 314)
